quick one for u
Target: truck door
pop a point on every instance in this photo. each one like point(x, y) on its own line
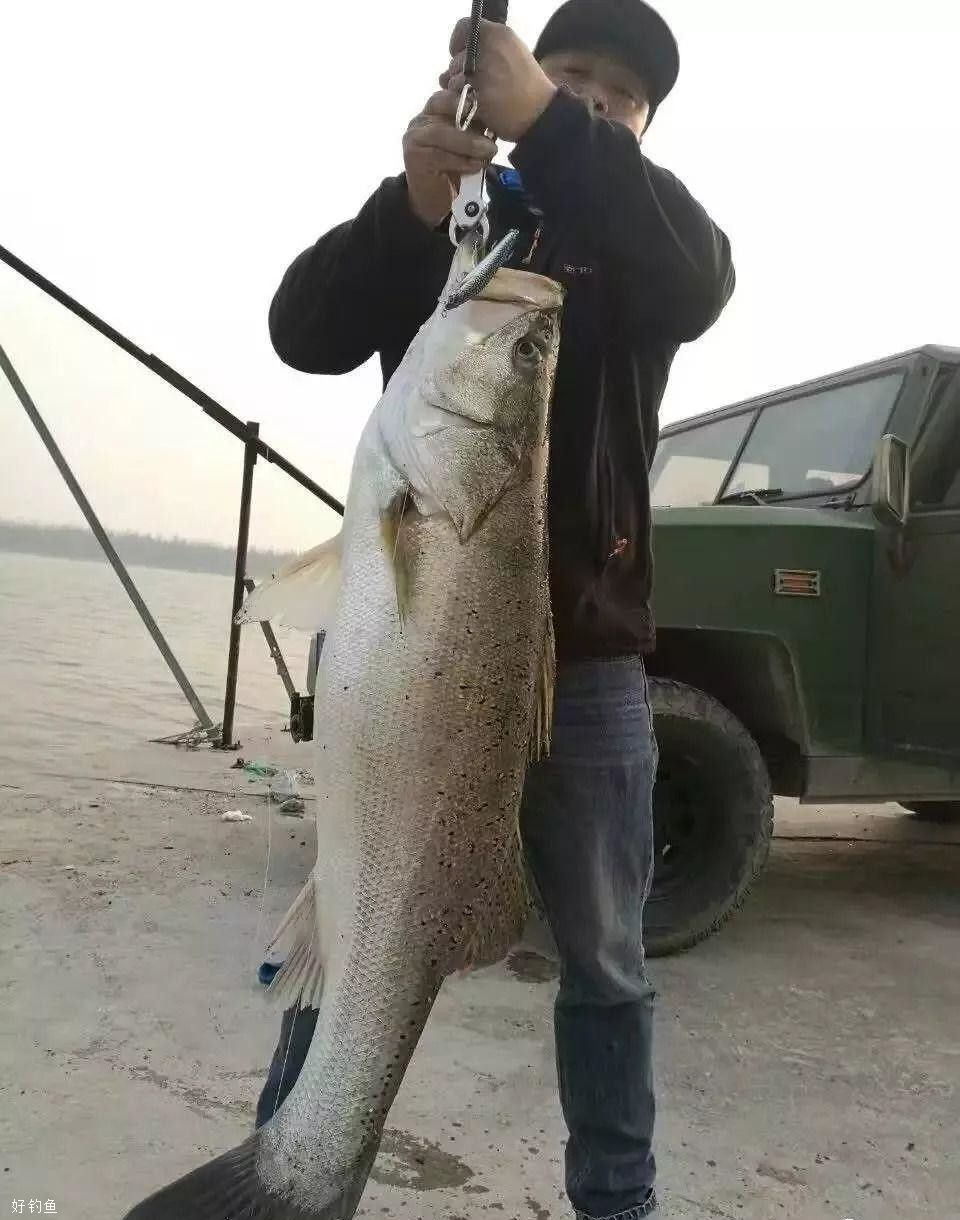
point(915, 651)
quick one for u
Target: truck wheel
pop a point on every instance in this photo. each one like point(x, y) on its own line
point(713, 817)
point(935, 811)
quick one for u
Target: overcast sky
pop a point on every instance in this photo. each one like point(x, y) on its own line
point(164, 164)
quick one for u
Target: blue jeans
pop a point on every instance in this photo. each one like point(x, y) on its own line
point(587, 826)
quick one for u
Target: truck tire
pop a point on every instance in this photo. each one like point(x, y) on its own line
point(713, 817)
point(935, 811)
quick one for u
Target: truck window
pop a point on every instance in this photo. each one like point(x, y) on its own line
point(689, 467)
point(819, 442)
point(935, 461)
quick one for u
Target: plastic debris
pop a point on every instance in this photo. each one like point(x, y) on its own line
point(284, 786)
point(235, 815)
point(293, 807)
point(258, 770)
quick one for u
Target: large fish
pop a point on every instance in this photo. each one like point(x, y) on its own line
point(435, 686)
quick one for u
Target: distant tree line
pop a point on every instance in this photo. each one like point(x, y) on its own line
point(178, 554)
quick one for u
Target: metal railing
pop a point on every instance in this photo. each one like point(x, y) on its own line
point(253, 448)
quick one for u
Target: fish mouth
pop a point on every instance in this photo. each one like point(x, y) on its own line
point(513, 286)
point(489, 280)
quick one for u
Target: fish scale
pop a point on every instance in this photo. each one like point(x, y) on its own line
point(435, 686)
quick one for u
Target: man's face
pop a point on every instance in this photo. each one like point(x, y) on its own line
point(607, 86)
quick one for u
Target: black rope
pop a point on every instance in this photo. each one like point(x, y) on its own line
point(473, 38)
point(486, 10)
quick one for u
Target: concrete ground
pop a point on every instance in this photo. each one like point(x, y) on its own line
point(808, 1056)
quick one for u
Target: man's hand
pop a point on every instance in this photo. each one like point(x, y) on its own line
point(512, 87)
point(436, 154)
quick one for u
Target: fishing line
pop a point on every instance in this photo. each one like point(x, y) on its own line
point(286, 1054)
point(266, 874)
point(294, 1011)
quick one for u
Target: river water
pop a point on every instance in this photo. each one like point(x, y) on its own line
point(79, 673)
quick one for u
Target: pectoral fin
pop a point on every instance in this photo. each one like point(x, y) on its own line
point(303, 593)
point(546, 681)
point(398, 548)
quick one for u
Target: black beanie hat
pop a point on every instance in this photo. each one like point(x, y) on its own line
point(629, 29)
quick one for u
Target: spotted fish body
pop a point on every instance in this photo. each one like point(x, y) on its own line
point(435, 686)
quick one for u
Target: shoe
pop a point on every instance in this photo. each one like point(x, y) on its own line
point(646, 1208)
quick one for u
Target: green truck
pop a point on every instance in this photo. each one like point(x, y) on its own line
point(808, 605)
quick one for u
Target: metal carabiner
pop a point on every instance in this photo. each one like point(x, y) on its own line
point(469, 208)
point(467, 107)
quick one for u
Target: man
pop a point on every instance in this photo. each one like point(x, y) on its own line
point(645, 270)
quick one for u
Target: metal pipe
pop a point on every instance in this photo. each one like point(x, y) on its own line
point(274, 646)
point(108, 548)
point(163, 370)
point(240, 572)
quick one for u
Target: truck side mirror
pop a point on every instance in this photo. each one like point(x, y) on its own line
point(890, 493)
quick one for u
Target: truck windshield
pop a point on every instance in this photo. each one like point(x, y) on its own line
point(690, 467)
point(818, 443)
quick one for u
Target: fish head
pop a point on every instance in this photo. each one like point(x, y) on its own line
point(465, 418)
point(491, 361)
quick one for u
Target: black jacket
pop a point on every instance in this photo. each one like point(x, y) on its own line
point(645, 270)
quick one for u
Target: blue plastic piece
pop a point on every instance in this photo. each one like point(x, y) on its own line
point(268, 971)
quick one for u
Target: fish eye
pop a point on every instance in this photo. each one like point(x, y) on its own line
point(527, 351)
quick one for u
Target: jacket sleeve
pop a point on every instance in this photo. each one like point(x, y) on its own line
point(341, 299)
point(655, 242)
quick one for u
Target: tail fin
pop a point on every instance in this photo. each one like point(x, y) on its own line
point(230, 1188)
point(303, 593)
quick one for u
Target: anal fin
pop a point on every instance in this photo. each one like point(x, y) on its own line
point(300, 978)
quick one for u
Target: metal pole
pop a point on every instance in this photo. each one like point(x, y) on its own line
point(243, 539)
point(108, 548)
point(163, 370)
point(274, 647)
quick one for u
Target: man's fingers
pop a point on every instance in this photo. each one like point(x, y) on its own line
point(435, 134)
point(448, 163)
point(443, 104)
point(441, 161)
point(460, 35)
